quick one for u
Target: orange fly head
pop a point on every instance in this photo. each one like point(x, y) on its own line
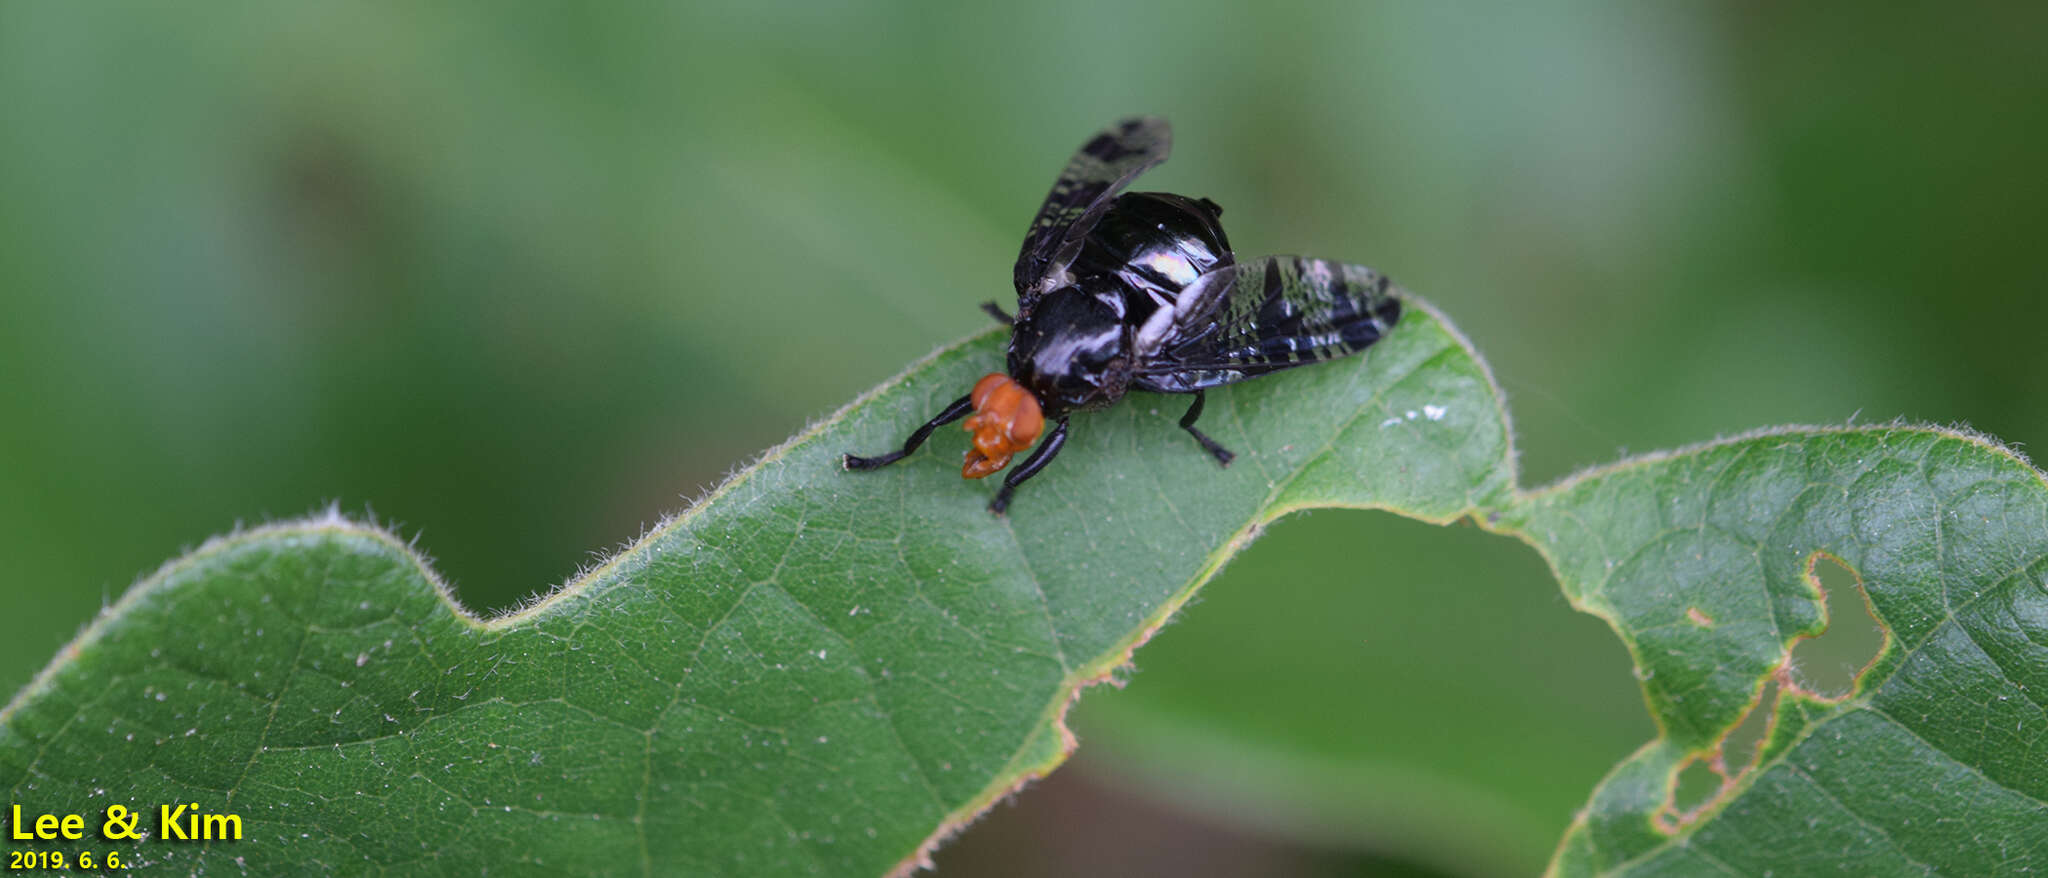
point(1006, 420)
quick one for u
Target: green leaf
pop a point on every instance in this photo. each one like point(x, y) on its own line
point(810, 671)
point(1703, 562)
point(815, 671)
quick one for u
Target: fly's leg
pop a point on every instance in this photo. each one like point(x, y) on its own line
point(954, 412)
point(1187, 422)
point(1037, 461)
point(996, 311)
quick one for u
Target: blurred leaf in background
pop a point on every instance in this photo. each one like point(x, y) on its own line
point(550, 270)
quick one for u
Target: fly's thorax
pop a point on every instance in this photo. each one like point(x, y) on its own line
point(1075, 346)
point(1071, 349)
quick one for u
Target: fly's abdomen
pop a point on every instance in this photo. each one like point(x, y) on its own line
point(1154, 244)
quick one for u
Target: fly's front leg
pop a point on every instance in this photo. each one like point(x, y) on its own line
point(954, 412)
point(1187, 422)
point(1037, 461)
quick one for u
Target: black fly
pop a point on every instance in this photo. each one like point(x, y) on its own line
point(1140, 291)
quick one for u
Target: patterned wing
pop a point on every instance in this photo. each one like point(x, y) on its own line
point(1265, 315)
point(1102, 168)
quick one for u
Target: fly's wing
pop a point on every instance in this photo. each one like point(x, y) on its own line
point(1264, 315)
point(1102, 168)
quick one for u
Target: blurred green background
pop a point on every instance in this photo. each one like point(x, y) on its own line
point(518, 279)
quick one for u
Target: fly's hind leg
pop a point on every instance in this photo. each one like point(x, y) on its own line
point(1039, 458)
point(954, 412)
point(1187, 422)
